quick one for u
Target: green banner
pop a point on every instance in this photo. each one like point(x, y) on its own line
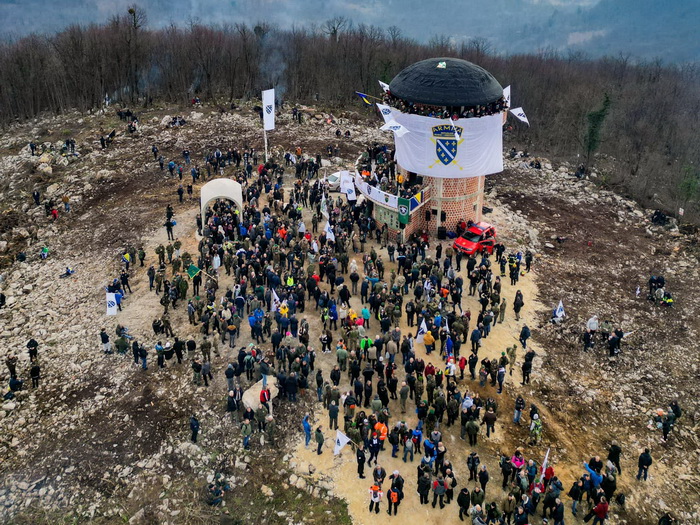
point(192, 271)
point(404, 210)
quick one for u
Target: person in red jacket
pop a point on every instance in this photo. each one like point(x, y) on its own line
point(548, 475)
point(265, 398)
point(600, 511)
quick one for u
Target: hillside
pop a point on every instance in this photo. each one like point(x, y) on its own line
point(102, 441)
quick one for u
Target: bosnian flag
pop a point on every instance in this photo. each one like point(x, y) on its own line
point(268, 100)
point(111, 304)
point(384, 85)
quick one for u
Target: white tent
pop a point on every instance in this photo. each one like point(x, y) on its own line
point(220, 189)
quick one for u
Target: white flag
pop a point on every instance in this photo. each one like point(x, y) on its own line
point(518, 112)
point(394, 126)
point(386, 112)
point(329, 232)
point(324, 207)
point(340, 441)
point(111, 304)
point(275, 303)
point(268, 100)
point(421, 332)
point(559, 312)
point(544, 463)
point(506, 95)
point(384, 85)
point(347, 185)
point(447, 326)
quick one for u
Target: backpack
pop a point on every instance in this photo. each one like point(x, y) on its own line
point(394, 496)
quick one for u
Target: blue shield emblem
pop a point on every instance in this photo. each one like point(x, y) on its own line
point(268, 109)
point(446, 142)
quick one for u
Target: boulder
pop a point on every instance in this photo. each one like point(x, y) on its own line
point(44, 169)
point(251, 397)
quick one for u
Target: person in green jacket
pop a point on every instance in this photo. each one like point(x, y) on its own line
point(319, 440)
point(246, 431)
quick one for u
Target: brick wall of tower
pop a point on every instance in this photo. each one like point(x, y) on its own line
point(469, 200)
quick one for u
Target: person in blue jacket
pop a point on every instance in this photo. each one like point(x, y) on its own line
point(306, 424)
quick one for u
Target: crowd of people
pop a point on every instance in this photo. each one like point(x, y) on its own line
point(389, 389)
point(378, 168)
point(445, 112)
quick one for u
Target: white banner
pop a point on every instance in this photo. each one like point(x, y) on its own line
point(380, 197)
point(462, 148)
point(506, 95)
point(347, 185)
point(340, 441)
point(268, 100)
point(111, 304)
point(384, 86)
point(518, 112)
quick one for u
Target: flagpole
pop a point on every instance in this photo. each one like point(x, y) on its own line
point(265, 138)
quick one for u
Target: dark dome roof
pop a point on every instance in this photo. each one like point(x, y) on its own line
point(458, 83)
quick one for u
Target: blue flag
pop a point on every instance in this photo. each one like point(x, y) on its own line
point(363, 97)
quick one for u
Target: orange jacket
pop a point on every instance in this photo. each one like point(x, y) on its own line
point(381, 429)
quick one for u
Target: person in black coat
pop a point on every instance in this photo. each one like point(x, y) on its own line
point(614, 456)
point(291, 387)
point(194, 427)
point(361, 457)
point(463, 500)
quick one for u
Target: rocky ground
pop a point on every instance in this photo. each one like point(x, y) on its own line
point(103, 442)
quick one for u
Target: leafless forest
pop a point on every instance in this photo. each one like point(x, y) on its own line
point(646, 145)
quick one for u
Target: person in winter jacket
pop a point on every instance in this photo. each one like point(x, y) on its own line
point(643, 464)
point(464, 501)
point(600, 511)
point(508, 507)
point(576, 494)
point(483, 477)
point(306, 425)
point(424, 488)
point(439, 489)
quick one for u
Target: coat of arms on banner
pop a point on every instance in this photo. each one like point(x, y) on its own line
point(403, 209)
point(268, 109)
point(446, 143)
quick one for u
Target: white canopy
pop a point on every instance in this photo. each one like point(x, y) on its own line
point(220, 189)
